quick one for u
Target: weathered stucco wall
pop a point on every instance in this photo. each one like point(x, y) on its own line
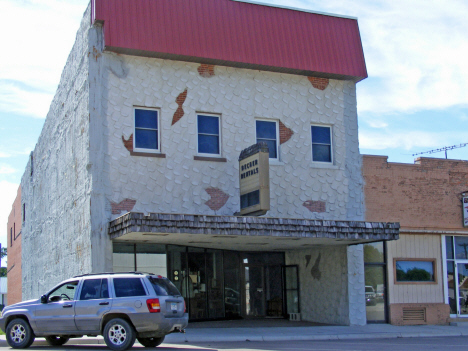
point(177, 183)
point(56, 191)
point(331, 284)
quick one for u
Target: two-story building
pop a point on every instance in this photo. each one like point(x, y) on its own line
point(137, 166)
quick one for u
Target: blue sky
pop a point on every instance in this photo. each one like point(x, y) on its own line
point(415, 99)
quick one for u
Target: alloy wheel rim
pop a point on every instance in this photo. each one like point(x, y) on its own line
point(117, 334)
point(18, 333)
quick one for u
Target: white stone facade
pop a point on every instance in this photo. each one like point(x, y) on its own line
point(56, 192)
point(82, 167)
point(177, 183)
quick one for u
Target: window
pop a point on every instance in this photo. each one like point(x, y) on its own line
point(267, 132)
point(321, 144)
point(146, 130)
point(164, 287)
point(208, 135)
point(94, 289)
point(65, 292)
point(414, 270)
point(125, 287)
point(11, 237)
point(24, 213)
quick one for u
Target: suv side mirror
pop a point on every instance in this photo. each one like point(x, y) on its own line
point(44, 299)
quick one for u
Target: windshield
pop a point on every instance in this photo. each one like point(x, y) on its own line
point(164, 287)
point(369, 289)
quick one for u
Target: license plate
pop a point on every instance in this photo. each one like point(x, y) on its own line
point(174, 306)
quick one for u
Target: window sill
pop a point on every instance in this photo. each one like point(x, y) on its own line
point(323, 165)
point(276, 163)
point(208, 158)
point(147, 154)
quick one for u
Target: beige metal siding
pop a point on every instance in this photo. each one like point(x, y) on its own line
point(415, 246)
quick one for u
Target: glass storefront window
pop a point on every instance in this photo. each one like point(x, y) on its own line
point(215, 283)
point(415, 271)
point(123, 257)
point(451, 287)
point(375, 282)
point(232, 294)
point(461, 248)
point(449, 247)
point(151, 258)
point(373, 253)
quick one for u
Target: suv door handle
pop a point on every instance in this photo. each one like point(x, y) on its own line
point(104, 303)
point(67, 305)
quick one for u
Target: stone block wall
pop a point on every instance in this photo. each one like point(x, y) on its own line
point(56, 184)
point(14, 251)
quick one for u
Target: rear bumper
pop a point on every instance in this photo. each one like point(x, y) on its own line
point(156, 325)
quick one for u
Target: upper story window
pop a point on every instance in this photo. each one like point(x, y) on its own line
point(267, 131)
point(146, 130)
point(208, 135)
point(322, 144)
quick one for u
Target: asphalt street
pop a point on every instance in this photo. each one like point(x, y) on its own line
point(402, 344)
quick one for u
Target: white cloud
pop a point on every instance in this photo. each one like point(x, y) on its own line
point(35, 51)
point(4, 155)
point(18, 100)
point(6, 169)
point(415, 51)
point(408, 140)
point(8, 191)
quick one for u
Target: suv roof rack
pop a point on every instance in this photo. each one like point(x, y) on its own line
point(113, 273)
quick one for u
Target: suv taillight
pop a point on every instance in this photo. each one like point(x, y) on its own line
point(153, 305)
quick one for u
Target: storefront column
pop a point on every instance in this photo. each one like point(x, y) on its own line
point(356, 295)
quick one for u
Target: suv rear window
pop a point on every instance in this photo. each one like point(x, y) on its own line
point(128, 287)
point(164, 287)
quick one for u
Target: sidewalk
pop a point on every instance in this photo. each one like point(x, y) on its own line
point(371, 331)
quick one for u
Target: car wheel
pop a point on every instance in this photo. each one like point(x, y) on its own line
point(151, 342)
point(56, 340)
point(119, 334)
point(19, 334)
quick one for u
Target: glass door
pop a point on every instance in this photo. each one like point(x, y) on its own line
point(254, 291)
point(291, 283)
point(462, 288)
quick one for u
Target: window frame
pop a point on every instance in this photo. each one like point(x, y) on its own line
point(219, 135)
point(409, 259)
point(158, 119)
point(277, 135)
point(332, 159)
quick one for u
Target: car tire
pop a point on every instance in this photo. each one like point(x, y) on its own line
point(151, 342)
point(56, 340)
point(119, 334)
point(19, 334)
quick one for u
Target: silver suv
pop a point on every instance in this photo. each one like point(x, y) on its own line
point(120, 306)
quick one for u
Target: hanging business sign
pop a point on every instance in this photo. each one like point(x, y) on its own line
point(254, 180)
point(465, 210)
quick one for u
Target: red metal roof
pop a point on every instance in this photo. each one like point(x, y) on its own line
point(233, 33)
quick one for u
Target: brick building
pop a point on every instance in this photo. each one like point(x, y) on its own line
point(426, 198)
point(14, 224)
point(137, 166)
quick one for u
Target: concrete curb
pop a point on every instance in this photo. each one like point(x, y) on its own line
point(279, 334)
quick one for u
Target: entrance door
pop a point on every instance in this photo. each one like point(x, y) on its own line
point(462, 291)
point(254, 291)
